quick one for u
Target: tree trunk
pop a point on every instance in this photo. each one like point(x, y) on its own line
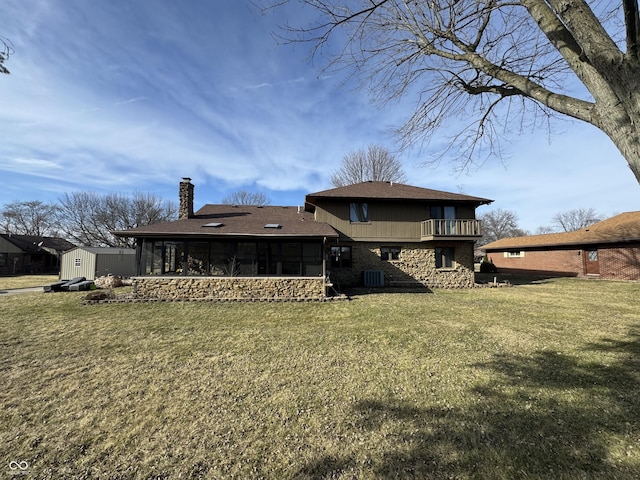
point(622, 129)
point(617, 112)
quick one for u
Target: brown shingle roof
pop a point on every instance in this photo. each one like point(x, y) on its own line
point(33, 243)
point(239, 221)
point(621, 228)
point(393, 191)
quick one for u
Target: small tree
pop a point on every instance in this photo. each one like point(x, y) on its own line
point(576, 219)
point(375, 163)
point(244, 197)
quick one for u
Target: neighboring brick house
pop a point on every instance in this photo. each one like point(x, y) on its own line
point(609, 249)
point(26, 254)
point(372, 234)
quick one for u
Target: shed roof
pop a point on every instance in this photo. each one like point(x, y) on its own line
point(239, 220)
point(618, 229)
point(107, 250)
point(393, 191)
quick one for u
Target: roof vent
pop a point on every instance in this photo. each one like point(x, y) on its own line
point(273, 225)
point(213, 224)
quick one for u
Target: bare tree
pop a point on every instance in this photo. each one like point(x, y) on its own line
point(577, 219)
point(6, 50)
point(375, 163)
point(244, 197)
point(544, 230)
point(494, 64)
point(498, 224)
point(89, 218)
point(29, 218)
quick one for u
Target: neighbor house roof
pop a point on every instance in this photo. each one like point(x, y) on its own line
point(621, 228)
point(238, 221)
point(33, 243)
point(392, 191)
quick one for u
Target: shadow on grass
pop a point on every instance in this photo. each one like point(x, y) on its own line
point(548, 415)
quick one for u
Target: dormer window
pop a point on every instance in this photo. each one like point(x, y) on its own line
point(358, 213)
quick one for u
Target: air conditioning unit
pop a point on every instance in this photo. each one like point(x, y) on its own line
point(373, 278)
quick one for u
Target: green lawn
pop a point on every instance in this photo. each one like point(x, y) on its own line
point(537, 381)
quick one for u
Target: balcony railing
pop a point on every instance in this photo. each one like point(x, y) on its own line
point(438, 228)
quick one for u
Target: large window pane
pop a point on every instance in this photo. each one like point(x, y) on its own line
point(246, 263)
point(291, 259)
point(311, 259)
point(198, 258)
point(219, 254)
point(267, 258)
point(174, 258)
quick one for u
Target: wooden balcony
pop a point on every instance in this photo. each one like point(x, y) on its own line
point(446, 229)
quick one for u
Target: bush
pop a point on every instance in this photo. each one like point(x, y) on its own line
point(487, 265)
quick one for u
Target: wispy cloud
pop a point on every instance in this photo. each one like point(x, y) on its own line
point(135, 95)
point(130, 100)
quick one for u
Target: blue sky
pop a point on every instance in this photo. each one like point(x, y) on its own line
point(124, 95)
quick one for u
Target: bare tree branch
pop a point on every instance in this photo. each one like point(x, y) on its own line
point(577, 219)
point(89, 218)
point(29, 218)
point(6, 50)
point(458, 56)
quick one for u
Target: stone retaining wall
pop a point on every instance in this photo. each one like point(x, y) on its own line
point(229, 288)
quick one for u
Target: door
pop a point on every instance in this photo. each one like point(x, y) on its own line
point(445, 219)
point(591, 265)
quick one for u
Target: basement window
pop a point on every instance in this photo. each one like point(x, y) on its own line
point(444, 257)
point(390, 253)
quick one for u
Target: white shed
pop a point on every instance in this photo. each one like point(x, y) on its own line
point(94, 262)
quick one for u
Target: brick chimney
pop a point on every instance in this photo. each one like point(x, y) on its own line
point(186, 198)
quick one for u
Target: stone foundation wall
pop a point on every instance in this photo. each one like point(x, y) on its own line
point(415, 267)
point(229, 288)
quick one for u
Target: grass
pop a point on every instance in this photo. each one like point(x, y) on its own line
point(535, 381)
point(26, 281)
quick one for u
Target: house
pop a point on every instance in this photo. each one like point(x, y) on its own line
point(392, 234)
point(371, 233)
point(27, 254)
point(609, 249)
point(94, 262)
